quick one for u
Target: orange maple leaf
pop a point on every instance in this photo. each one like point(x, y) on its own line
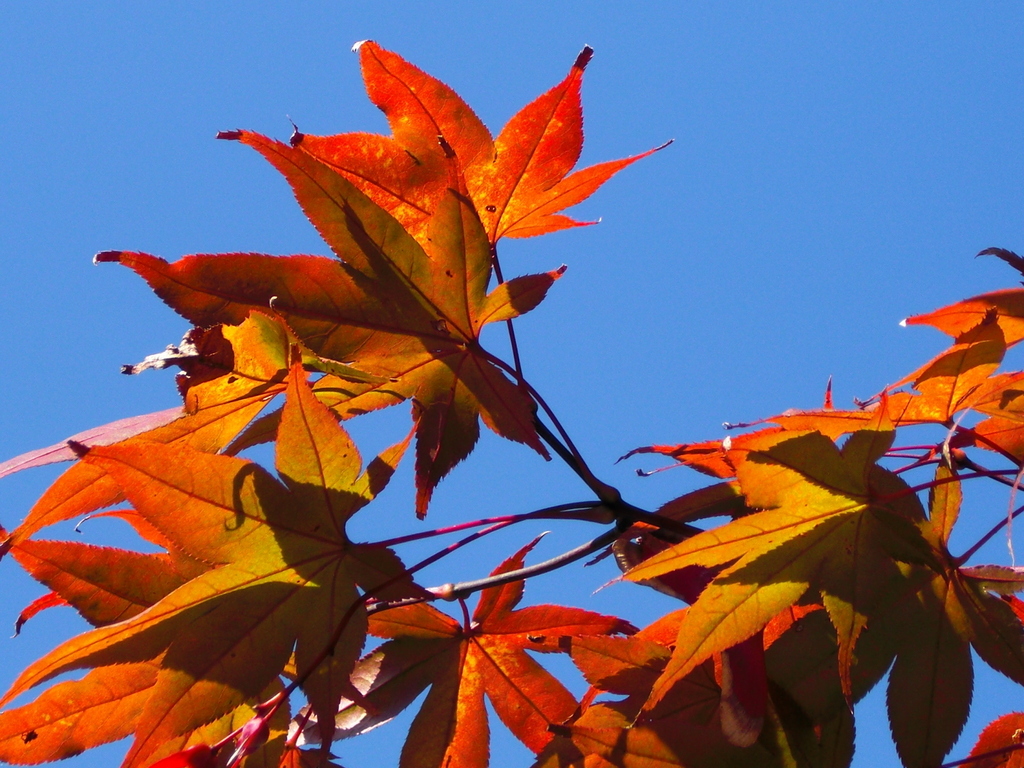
point(282, 573)
point(1000, 744)
point(462, 664)
point(827, 514)
point(216, 411)
point(518, 182)
point(409, 312)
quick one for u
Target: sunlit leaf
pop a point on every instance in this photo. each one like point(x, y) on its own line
point(284, 572)
point(488, 657)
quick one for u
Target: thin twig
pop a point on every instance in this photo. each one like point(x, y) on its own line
point(992, 532)
point(563, 445)
point(910, 490)
point(994, 446)
point(916, 461)
point(964, 460)
point(577, 510)
point(537, 398)
point(983, 756)
point(465, 588)
point(368, 595)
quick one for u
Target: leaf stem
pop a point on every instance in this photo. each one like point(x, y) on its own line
point(916, 461)
point(466, 620)
point(577, 510)
point(566, 455)
point(994, 474)
point(456, 546)
point(465, 588)
point(564, 447)
point(508, 323)
point(984, 539)
point(966, 461)
point(364, 598)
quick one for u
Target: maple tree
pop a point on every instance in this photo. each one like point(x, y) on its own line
point(243, 641)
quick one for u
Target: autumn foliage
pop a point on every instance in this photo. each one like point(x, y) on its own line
point(815, 562)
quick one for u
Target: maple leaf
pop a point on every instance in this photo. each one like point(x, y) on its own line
point(958, 377)
point(930, 687)
point(801, 657)
point(105, 706)
point(721, 499)
point(406, 312)
point(205, 355)
point(831, 519)
point(744, 686)
point(708, 457)
point(1008, 306)
point(104, 584)
point(518, 182)
point(463, 663)
point(682, 730)
point(106, 434)
point(74, 716)
point(283, 573)
point(929, 692)
point(217, 409)
point(49, 600)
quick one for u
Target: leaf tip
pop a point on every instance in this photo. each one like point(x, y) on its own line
point(229, 135)
point(903, 323)
point(77, 448)
point(105, 257)
point(297, 136)
point(358, 44)
point(584, 58)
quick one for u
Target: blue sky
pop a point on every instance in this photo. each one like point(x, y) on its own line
point(835, 169)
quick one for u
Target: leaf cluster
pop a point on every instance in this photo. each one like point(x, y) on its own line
point(817, 561)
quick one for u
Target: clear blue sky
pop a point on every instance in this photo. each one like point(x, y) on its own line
point(835, 168)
